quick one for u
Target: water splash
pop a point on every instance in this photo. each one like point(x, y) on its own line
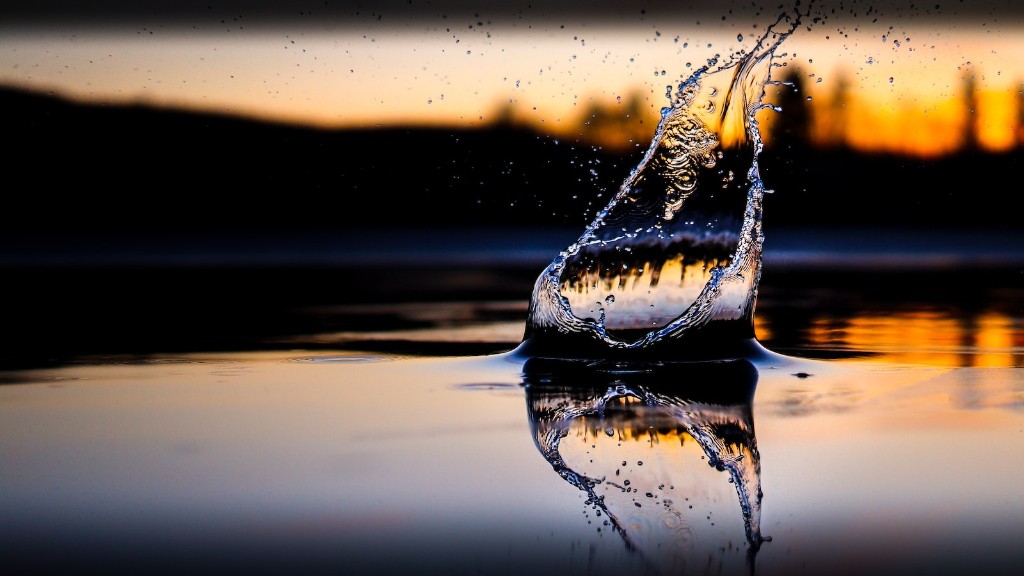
point(677, 251)
point(630, 424)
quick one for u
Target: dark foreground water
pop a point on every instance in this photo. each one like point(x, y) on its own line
point(349, 417)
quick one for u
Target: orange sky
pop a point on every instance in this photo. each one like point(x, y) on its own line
point(905, 97)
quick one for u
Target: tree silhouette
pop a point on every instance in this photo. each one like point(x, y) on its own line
point(1019, 132)
point(792, 132)
point(616, 126)
point(969, 136)
point(837, 116)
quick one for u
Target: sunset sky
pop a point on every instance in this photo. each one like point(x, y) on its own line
point(444, 63)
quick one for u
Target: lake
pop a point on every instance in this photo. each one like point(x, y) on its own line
point(362, 413)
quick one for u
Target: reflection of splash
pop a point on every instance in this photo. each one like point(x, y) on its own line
point(678, 250)
point(650, 412)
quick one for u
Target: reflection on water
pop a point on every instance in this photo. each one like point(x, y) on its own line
point(814, 319)
point(367, 464)
point(639, 439)
point(928, 335)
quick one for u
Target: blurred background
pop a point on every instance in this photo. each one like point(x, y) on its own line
point(198, 175)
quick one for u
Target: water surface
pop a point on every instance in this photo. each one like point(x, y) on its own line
point(334, 460)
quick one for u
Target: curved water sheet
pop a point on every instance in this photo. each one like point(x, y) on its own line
point(638, 439)
point(677, 252)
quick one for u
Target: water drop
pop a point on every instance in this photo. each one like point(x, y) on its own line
point(739, 37)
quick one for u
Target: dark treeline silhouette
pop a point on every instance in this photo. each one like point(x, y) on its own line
point(95, 168)
point(822, 181)
point(75, 167)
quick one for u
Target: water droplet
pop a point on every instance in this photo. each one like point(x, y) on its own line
point(890, 79)
point(739, 37)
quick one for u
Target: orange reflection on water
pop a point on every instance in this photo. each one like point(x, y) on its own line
point(996, 338)
point(990, 339)
point(762, 329)
point(634, 430)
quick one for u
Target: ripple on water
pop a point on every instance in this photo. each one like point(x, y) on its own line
point(342, 359)
point(487, 386)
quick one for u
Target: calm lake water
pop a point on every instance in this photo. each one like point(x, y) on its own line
point(401, 434)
